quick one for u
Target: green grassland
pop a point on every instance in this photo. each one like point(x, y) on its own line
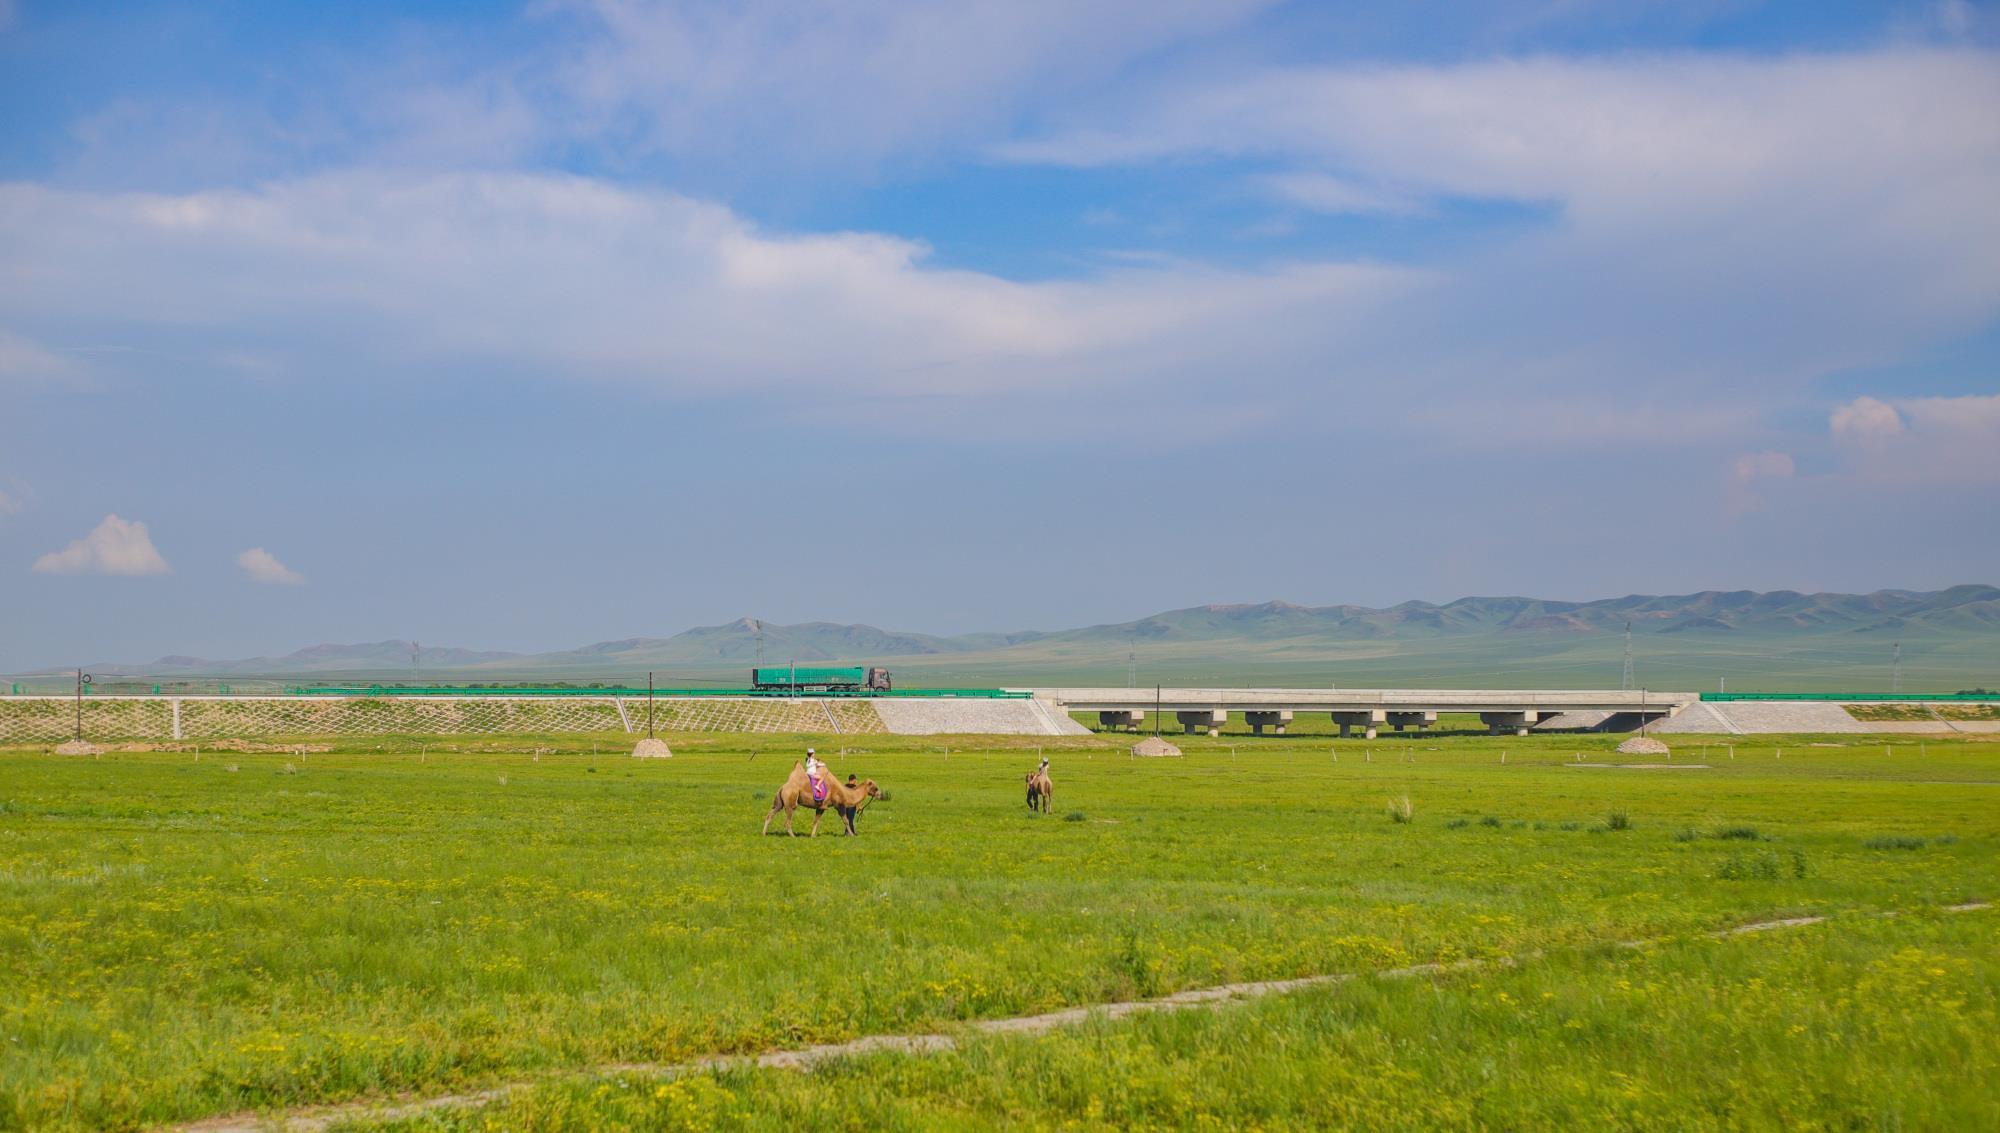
point(1858, 1024)
point(182, 937)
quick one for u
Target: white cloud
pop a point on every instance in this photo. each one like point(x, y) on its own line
point(1604, 137)
point(1715, 226)
point(1870, 174)
point(573, 278)
point(1325, 193)
point(848, 80)
point(115, 546)
point(1721, 231)
point(1740, 495)
point(1956, 17)
point(22, 359)
point(1865, 421)
point(1920, 440)
point(263, 566)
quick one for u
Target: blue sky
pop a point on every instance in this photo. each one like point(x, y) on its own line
point(526, 325)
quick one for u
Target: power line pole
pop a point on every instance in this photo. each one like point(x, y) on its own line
point(1625, 682)
point(1896, 668)
point(82, 679)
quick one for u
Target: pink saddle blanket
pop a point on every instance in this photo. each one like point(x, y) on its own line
point(819, 788)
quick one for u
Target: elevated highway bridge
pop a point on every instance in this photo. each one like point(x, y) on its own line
point(1207, 709)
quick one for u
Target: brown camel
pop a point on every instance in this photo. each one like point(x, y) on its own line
point(1041, 789)
point(797, 792)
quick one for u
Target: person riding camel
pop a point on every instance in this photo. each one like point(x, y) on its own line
point(816, 775)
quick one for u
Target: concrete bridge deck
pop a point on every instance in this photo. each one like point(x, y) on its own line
point(1206, 709)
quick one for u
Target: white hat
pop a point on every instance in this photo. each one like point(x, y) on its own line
point(810, 751)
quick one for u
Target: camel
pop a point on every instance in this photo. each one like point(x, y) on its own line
point(797, 792)
point(1041, 789)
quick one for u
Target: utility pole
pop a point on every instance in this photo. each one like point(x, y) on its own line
point(82, 679)
point(649, 706)
point(1626, 682)
point(1896, 671)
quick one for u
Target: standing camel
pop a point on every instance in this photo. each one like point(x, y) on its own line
point(1041, 788)
point(797, 792)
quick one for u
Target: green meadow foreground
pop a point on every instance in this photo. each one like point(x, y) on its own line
point(182, 938)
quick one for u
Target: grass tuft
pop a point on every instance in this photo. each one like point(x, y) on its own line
point(1895, 842)
point(1400, 810)
point(1762, 865)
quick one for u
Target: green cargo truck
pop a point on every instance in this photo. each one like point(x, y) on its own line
point(819, 678)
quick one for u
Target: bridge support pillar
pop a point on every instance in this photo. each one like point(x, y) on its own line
point(1368, 720)
point(1129, 721)
point(1261, 720)
point(1209, 719)
point(1520, 722)
point(1419, 720)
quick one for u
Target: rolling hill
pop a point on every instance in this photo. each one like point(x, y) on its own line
point(1770, 640)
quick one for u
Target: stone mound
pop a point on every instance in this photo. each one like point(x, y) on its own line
point(78, 747)
point(650, 748)
point(1154, 745)
point(1643, 745)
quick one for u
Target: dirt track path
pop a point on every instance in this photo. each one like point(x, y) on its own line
point(315, 1119)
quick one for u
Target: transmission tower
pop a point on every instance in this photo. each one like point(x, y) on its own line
point(760, 643)
point(1131, 665)
point(1626, 681)
point(1896, 668)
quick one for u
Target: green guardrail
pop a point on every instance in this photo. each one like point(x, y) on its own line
point(780, 694)
point(1859, 697)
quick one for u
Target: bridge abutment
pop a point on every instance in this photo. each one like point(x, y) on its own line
point(1209, 719)
point(1520, 722)
point(1367, 719)
point(1277, 721)
point(1417, 720)
point(1128, 720)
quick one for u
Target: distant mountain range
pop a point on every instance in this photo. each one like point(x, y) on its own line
point(1949, 636)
